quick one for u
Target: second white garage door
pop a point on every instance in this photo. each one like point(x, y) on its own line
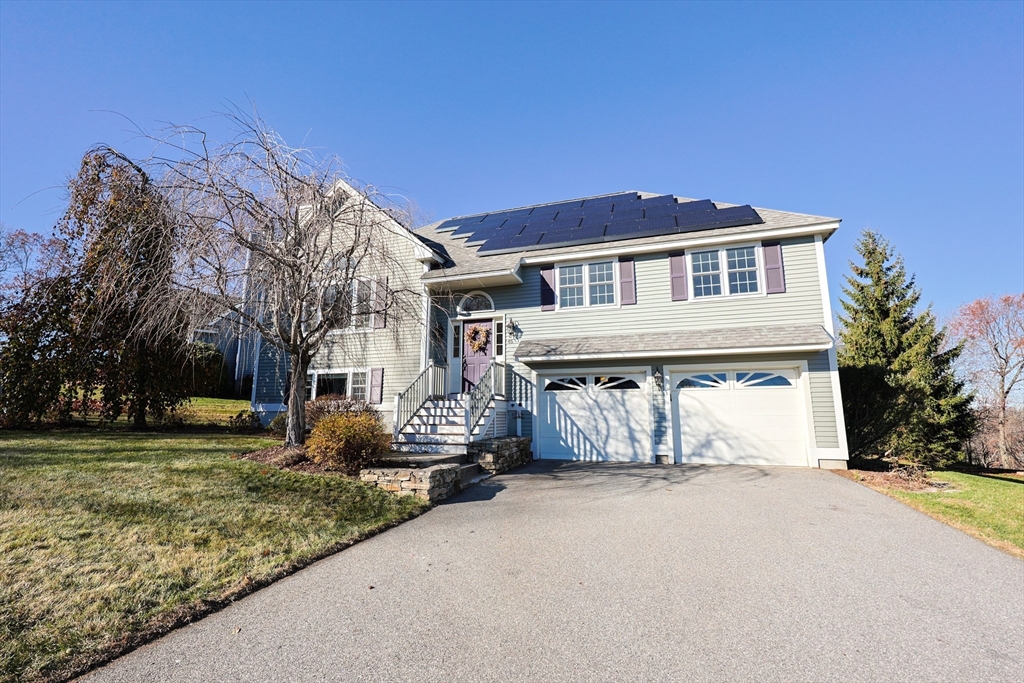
point(594, 417)
point(751, 416)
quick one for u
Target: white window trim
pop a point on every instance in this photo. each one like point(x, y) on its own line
point(617, 289)
point(352, 329)
point(723, 263)
point(337, 371)
point(461, 315)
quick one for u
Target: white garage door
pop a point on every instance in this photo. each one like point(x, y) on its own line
point(594, 417)
point(753, 416)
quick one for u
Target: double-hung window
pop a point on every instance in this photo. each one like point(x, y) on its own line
point(352, 306)
point(742, 264)
point(602, 283)
point(362, 292)
point(586, 284)
point(570, 286)
point(707, 274)
point(718, 272)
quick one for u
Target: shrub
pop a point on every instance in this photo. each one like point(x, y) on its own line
point(335, 404)
point(279, 425)
point(246, 421)
point(349, 441)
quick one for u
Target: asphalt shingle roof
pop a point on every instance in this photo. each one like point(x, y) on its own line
point(721, 339)
point(465, 261)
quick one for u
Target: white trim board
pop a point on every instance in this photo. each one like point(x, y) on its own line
point(626, 355)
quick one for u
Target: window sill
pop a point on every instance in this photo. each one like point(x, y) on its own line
point(727, 297)
point(577, 309)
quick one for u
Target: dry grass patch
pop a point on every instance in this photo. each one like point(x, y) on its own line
point(107, 539)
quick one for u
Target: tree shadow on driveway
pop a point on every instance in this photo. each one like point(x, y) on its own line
point(600, 479)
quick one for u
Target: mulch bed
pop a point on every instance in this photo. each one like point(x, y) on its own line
point(894, 480)
point(291, 458)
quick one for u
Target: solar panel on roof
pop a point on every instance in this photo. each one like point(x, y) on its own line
point(697, 205)
point(596, 219)
point(609, 198)
point(622, 228)
point(628, 215)
point(608, 218)
point(520, 241)
point(661, 223)
point(659, 200)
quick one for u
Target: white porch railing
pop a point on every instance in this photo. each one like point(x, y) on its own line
point(431, 383)
point(490, 384)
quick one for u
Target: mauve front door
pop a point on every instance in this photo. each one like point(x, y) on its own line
point(474, 363)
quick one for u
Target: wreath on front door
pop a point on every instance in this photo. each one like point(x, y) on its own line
point(477, 337)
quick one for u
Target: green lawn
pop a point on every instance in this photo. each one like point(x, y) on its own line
point(216, 410)
point(106, 537)
point(987, 506)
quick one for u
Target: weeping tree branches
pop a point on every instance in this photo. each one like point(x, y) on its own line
point(83, 319)
point(284, 243)
point(270, 237)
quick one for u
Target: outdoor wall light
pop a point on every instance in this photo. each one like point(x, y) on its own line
point(659, 379)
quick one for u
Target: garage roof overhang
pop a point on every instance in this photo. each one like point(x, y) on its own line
point(714, 342)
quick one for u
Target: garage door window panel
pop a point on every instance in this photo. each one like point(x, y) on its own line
point(615, 383)
point(566, 384)
point(746, 380)
point(704, 380)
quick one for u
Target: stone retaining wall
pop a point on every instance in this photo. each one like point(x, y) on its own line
point(500, 455)
point(430, 483)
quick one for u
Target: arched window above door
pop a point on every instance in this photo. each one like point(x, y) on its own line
point(475, 302)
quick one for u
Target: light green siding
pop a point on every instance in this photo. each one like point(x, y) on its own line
point(655, 311)
point(398, 347)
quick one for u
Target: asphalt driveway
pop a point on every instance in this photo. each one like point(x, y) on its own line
point(628, 572)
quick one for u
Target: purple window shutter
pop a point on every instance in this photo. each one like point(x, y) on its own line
point(774, 274)
point(627, 281)
point(376, 393)
point(677, 269)
point(547, 288)
point(381, 304)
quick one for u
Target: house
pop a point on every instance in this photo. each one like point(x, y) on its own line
point(626, 327)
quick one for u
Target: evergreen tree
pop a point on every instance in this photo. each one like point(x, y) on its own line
point(900, 394)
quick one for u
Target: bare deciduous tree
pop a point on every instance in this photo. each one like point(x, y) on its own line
point(284, 243)
point(27, 259)
point(992, 330)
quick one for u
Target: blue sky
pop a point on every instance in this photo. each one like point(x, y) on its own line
point(906, 118)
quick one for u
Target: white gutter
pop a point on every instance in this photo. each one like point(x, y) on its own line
point(797, 348)
point(610, 250)
point(508, 276)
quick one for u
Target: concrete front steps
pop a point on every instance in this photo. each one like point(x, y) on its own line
point(438, 427)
